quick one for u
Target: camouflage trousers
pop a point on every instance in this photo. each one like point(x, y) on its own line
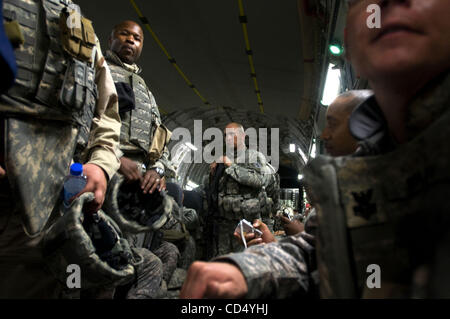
point(22, 266)
point(188, 251)
point(149, 276)
point(169, 254)
point(224, 241)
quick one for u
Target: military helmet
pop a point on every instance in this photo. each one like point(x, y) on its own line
point(134, 211)
point(70, 241)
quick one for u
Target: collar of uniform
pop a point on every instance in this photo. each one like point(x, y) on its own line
point(114, 58)
point(368, 124)
point(367, 120)
point(428, 105)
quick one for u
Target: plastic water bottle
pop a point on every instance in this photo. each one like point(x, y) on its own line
point(73, 183)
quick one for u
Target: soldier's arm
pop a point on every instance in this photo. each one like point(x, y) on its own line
point(277, 270)
point(249, 174)
point(165, 163)
point(164, 160)
point(105, 129)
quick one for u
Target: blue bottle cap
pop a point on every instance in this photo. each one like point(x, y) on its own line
point(76, 169)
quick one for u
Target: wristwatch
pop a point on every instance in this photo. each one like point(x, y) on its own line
point(159, 170)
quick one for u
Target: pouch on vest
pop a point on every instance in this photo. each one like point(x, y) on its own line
point(251, 209)
point(14, 33)
point(78, 86)
point(160, 139)
point(77, 42)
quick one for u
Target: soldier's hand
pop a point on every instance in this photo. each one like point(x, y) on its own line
point(152, 181)
point(291, 227)
point(96, 183)
point(129, 169)
point(213, 280)
point(2, 173)
point(252, 240)
point(226, 161)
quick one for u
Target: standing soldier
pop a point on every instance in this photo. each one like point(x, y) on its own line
point(143, 153)
point(63, 95)
point(374, 239)
point(234, 191)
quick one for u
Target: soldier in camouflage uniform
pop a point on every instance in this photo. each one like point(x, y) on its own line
point(143, 139)
point(272, 194)
point(377, 201)
point(63, 96)
point(338, 141)
point(180, 230)
point(234, 191)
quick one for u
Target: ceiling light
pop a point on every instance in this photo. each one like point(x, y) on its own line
point(292, 148)
point(336, 49)
point(332, 85)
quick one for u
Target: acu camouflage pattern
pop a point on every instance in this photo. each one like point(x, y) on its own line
point(240, 196)
point(142, 134)
point(65, 85)
point(67, 89)
point(177, 230)
point(284, 269)
point(66, 242)
point(169, 255)
point(390, 210)
point(138, 126)
point(149, 275)
point(271, 198)
point(240, 187)
point(38, 166)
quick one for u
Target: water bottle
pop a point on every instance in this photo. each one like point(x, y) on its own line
point(73, 183)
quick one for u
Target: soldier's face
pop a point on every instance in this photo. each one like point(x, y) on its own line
point(234, 137)
point(127, 42)
point(336, 135)
point(413, 40)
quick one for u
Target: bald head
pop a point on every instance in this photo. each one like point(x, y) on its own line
point(336, 134)
point(235, 135)
point(127, 40)
point(348, 100)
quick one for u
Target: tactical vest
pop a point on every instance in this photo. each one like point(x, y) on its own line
point(237, 201)
point(55, 62)
point(138, 126)
point(389, 211)
point(55, 82)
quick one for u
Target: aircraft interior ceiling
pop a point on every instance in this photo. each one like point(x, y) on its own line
point(200, 66)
